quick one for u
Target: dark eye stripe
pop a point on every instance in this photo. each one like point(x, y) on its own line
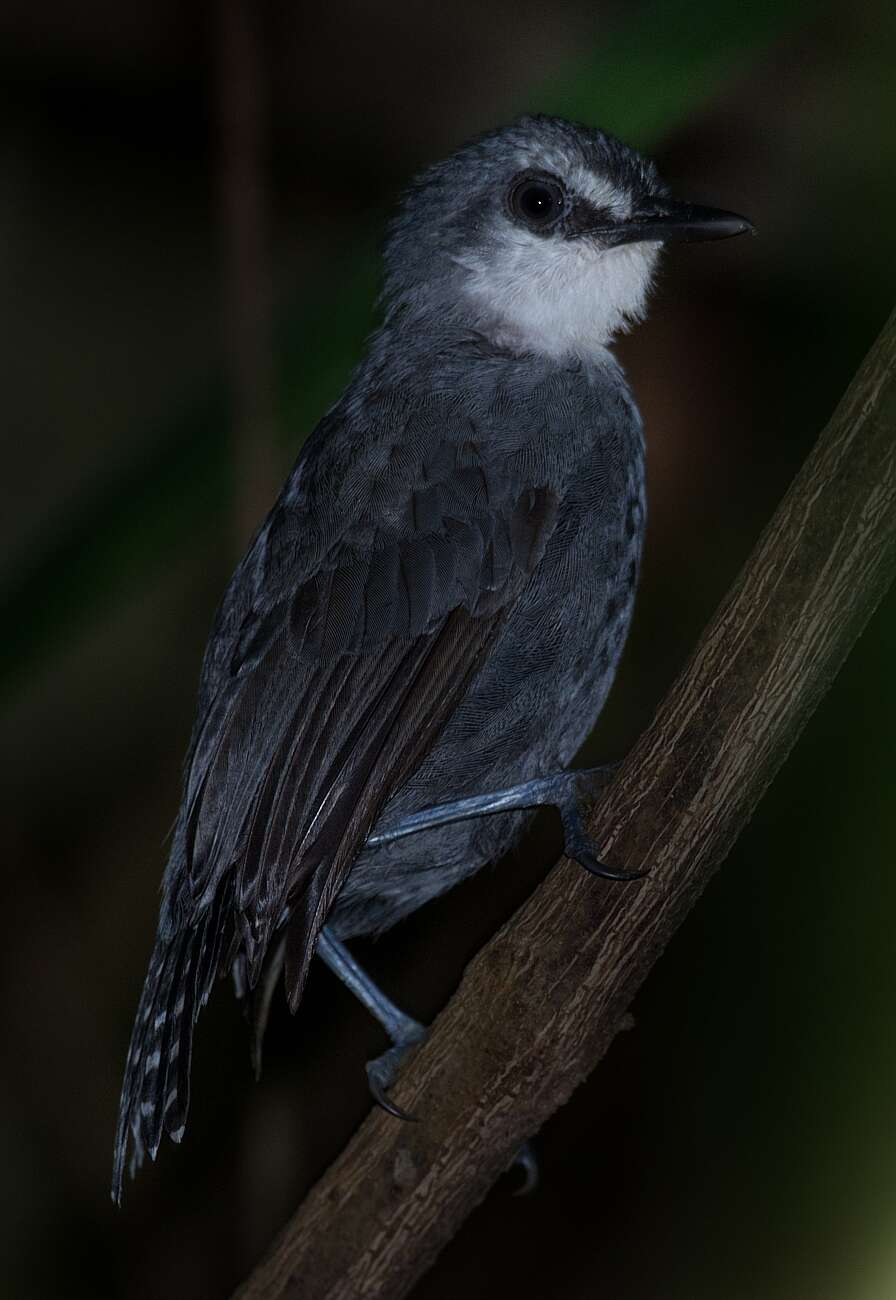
point(585, 216)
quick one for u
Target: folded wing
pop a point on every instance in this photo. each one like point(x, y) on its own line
point(345, 642)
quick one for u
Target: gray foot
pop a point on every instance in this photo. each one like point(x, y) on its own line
point(405, 1033)
point(382, 1073)
point(560, 791)
point(526, 1161)
point(383, 1070)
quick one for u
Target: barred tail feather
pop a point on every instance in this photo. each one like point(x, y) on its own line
point(155, 1095)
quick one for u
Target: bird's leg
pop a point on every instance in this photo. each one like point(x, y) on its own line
point(560, 791)
point(402, 1029)
point(260, 1003)
point(405, 1032)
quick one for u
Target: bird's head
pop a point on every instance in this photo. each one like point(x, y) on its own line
point(542, 235)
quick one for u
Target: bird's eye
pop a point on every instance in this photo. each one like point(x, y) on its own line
point(537, 201)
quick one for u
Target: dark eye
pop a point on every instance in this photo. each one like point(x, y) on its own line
point(538, 201)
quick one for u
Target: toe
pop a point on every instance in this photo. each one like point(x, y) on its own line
point(381, 1075)
point(527, 1161)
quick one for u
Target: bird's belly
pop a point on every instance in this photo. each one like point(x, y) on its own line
point(527, 713)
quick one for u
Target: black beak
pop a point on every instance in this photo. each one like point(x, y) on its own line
point(670, 222)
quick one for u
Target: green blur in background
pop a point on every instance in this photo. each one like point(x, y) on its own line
point(738, 1142)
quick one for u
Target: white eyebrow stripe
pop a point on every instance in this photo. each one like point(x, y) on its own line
point(600, 192)
point(581, 180)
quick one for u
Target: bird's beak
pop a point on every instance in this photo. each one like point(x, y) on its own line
point(669, 221)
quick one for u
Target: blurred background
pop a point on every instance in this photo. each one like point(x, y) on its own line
point(191, 200)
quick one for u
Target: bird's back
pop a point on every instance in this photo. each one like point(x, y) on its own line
point(541, 690)
point(434, 606)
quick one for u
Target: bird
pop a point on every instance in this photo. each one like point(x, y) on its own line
point(424, 629)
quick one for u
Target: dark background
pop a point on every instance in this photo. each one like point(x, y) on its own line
point(189, 217)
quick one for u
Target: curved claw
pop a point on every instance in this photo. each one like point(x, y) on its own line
point(527, 1160)
point(381, 1075)
point(597, 868)
point(578, 846)
point(383, 1100)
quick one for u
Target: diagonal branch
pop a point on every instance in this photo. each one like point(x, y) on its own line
point(539, 1006)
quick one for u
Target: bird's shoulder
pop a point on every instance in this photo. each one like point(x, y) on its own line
point(406, 504)
point(379, 579)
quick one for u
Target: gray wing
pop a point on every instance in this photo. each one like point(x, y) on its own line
point(345, 642)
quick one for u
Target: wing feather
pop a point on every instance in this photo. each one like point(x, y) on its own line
point(344, 643)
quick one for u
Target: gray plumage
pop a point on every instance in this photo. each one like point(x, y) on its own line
point(436, 604)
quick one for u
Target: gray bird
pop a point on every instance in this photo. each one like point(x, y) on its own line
point(423, 631)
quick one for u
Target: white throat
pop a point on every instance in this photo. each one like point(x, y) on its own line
point(559, 297)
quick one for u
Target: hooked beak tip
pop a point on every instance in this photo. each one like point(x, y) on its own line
point(739, 226)
point(690, 223)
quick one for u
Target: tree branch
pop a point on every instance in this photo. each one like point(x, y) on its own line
point(539, 1006)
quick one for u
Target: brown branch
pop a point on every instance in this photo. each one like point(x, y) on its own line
point(540, 1004)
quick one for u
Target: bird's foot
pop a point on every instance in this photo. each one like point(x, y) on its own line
point(381, 1075)
point(526, 1160)
point(405, 1033)
point(560, 791)
point(383, 1070)
point(579, 847)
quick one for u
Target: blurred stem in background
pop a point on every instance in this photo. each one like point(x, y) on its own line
point(242, 89)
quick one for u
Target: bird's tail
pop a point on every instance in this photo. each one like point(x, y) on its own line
point(155, 1095)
